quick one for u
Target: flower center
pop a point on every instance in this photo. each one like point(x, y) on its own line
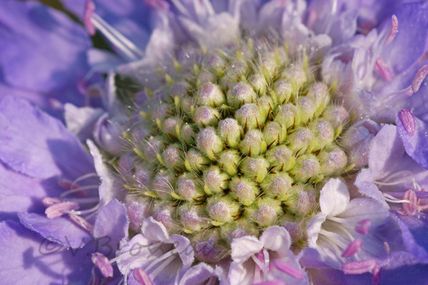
point(235, 141)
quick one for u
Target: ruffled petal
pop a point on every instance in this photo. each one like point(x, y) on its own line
point(334, 197)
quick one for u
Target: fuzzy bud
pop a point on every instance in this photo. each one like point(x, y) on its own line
point(300, 140)
point(301, 201)
point(239, 228)
point(171, 126)
point(337, 115)
point(209, 142)
point(320, 95)
point(210, 94)
point(274, 133)
point(265, 106)
point(307, 167)
point(286, 115)
point(162, 184)
point(255, 168)
point(237, 71)
point(192, 217)
point(277, 185)
point(245, 190)
point(222, 209)
point(281, 158)
point(253, 143)
point(230, 131)
point(282, 91)
point(152, 147)
point(172, 156)
point(306, 109)
point(265, 212)
point(107, 135)
point(164, 213)
point(215, 63)
point(333, 160)
point(214, 180)
point(187, 134)
point(194, 160)
point(296, 75)
point(323, 134)
point(206, 116)
point(258, 82)
point(249, 116)
point(188, 188)
point(240, 94)
point(229, 161)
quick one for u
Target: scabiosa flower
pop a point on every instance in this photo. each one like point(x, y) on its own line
point(250, 142)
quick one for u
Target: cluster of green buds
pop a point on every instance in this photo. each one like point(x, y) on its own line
point(235, 142)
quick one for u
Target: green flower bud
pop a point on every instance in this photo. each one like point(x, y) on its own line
point(249, 116)
point(306, 109)
point(230, 131)
point(323, 134)
point(186, 134)
point(206, 116)
point(215, 63)
point(239, 228)
point(296, 75)
point(281, 158)
point(209, 143)
point(171, 126)
point(229, 161)
point(172, 156)
point(277, 185)
point(307, 167)
point(282, 91)
point(159, 113)
point(205, 76)
point(265, 106)
point(301, 200)
point(300, 140)
point(244, 190)
point(253, 143)
point(258, 82)
point(195, 161)
point(162, 184)
point(152, 147)
point(214, 180)
point(265, 212)
point(192, 218)
point(320, 94)
point(188, 188)
point(337, 115)
point(240, 94)
point(222, 209)
point(210, 94)
point(164, 213)
point(274, 133)
point(286, 115)
point(332, 160)
point(255, 168)
point(237, 72)
point(187, 105)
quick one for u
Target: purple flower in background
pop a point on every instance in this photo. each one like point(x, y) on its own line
point(214, 142)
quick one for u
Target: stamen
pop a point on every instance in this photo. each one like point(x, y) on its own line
point(89, 11)
point(81, 222)
point(102, 263)
point(419, 78)
point(59, 209)
point(49, 201)
point(352, 248)
point(363, 226)
point(383, 70)
point(408, 121)
point(410, 208)
point(394, 30)
point(129, 49)
point(284, 267)
point(141, 276)
point(360, 267)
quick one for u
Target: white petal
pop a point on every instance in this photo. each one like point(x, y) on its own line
point(276, 239)
point(81, 121)
point(154, 230)
point(244, 247)
point(314, 228)
point(334, 197)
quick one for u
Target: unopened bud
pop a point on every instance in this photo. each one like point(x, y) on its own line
point(194, 160)
point(320, 95)
point(230, 131)
point(333, 160)
point(306, 109)
point(229, 161)
point(277, 185)
point(265, 212)
point(222, 209)
point(172, 156)
point(192, 217)
point(245, 190)
point(214, 180)
point(152, 147)
point(300, 139)
point(258, 81)
point(286, 115)
point(187, 134)
point(301, 201)
point(188, 188)
point(255, 168)
point(206, 116)
point(164, 213)
point(274, 133)
point(307, 167)
point(249, 116)
point(171, 126)
point(162, 184)
point(337, 115)
point(240, 94)
point(209, 142)
point(253, 143)
point(210, 94)
point(323, 134)
point(281, 158)
point(265, 106)
point(282, 91)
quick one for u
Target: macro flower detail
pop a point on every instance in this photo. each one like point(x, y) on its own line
point(208, 142)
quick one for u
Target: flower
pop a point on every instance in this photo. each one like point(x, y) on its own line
point(231, 142)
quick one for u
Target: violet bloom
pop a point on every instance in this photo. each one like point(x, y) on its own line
point(250, 142)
